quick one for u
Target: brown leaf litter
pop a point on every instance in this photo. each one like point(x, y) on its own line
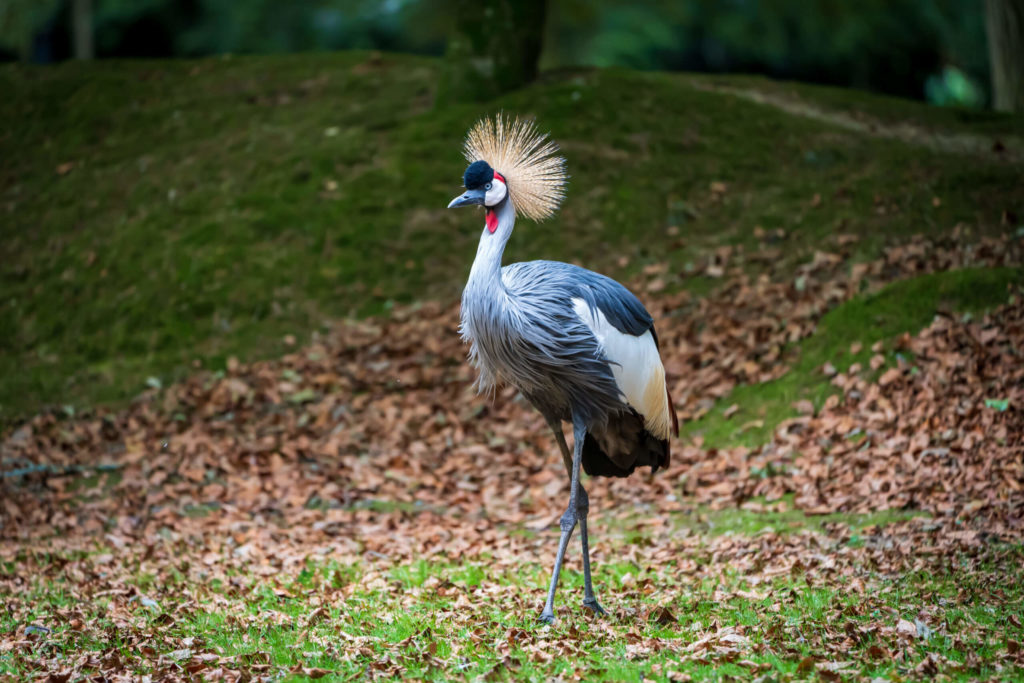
point(370, 445)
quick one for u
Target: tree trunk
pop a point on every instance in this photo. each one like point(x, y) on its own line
point(1004, 22)
point(81, 27)
point(495, 47)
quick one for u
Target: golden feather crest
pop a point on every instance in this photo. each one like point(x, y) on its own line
point(526, 158)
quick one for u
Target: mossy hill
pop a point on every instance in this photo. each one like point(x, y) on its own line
point(163, 216)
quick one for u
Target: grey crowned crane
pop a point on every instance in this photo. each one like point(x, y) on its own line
point(578, 345)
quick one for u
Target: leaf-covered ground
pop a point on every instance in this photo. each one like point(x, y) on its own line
point(354, 509)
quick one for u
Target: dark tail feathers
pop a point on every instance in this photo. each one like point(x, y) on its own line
point(622, 446)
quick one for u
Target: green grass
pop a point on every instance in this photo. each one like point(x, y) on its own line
point(785, 519)
point(439, 620)
point(757, 516)
point(213, 207)
point(905, 306)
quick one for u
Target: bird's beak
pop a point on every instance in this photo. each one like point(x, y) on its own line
point(468, 198)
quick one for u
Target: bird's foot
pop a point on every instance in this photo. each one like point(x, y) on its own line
point(592, 605)
point(546, 617)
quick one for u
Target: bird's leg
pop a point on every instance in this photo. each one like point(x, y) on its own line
point(556, 427)
point(568, 521)
point(582, 508)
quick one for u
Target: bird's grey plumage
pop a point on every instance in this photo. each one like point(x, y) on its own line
point(530, 336)
point(523, 331)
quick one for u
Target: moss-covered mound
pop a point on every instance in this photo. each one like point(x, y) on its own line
point(159, 216)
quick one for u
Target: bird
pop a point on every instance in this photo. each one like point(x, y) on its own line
point(579, 346)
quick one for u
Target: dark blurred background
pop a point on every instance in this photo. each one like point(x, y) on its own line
point(936, 51)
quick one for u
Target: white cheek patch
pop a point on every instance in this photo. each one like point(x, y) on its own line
point(496, 193)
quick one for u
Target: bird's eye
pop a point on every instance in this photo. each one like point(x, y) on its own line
point(487, 187)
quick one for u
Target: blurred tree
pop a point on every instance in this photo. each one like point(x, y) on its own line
point(82, 26)
point(269, 26)
point(43, 30)
point(891, 46)
point(19, 20)
point(494, 46)
point(935, 49)
point(1004, 20)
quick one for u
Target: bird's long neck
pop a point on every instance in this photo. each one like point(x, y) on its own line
point(486, 271)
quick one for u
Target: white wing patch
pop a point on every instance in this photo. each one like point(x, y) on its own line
point(636, 366)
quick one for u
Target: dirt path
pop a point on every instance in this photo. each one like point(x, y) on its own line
point(1007, 148)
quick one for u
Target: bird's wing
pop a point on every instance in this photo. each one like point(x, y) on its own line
point(621, 308)
point(625, 331)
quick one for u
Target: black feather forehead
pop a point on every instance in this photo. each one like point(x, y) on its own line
point(477, 175)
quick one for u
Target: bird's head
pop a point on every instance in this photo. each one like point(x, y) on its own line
point(532, 179)
point(484, 187)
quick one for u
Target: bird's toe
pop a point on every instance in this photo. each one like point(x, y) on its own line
point(546, 618)
point(594, 606)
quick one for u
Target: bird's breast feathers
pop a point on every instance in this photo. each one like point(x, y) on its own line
point(636, 366)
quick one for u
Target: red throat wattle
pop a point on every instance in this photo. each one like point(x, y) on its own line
point(492, 221)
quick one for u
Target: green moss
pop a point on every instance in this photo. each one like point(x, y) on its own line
point(165, 215)
point(905, 306)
